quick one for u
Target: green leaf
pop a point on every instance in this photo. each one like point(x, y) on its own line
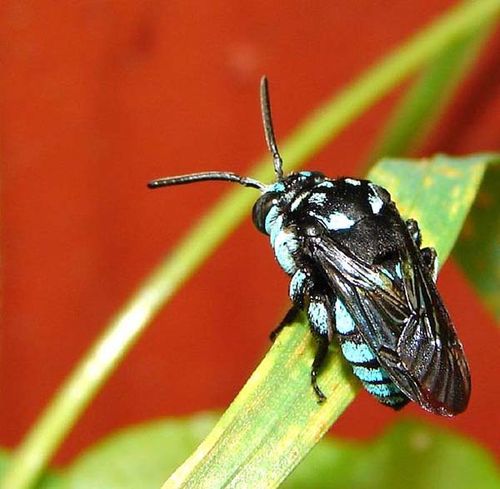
point(411, 455)
point(478, 249)
point(275, 420)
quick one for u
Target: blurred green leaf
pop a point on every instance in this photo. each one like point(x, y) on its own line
point(275, 420)
point(410, 455)
point(478, 249)
point(142, 456)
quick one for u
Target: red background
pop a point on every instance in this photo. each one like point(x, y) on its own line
point(99, 97)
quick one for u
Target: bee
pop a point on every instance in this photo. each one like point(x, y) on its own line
point(359, 271)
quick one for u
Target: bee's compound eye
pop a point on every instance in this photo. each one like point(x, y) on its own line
point(261, 209)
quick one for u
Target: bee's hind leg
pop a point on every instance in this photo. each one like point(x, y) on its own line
point(321, 321)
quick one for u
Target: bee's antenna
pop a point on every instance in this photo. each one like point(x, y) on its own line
point(230, 176)
point(265, 107)
point(204, 176)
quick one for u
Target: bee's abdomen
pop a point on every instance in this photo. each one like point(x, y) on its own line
point(364, 363)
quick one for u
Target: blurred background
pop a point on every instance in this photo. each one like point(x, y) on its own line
point(97, 98)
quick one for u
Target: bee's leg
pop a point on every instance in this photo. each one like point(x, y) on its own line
point(318, 362)
point(289, 318)
point(321, 321)
point(429, 256)
point(414, 231)
point(300, 283)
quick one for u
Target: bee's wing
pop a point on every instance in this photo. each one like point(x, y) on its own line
point(400, 314)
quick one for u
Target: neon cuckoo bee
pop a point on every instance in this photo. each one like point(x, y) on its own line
point(359, 271)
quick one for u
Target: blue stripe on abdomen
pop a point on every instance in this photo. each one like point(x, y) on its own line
point(381, 390)
point(364, 362)
point(344, 323)
point(373, 377)
point(367, 374)
point(357, 352)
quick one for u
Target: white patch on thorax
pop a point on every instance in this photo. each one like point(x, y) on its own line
point(318, 198)
point(376, 203)
point(334, 221)
point(298, 200)
point(325, 184)
point(352, 181)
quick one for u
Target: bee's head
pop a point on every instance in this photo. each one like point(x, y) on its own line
point(278, 197)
